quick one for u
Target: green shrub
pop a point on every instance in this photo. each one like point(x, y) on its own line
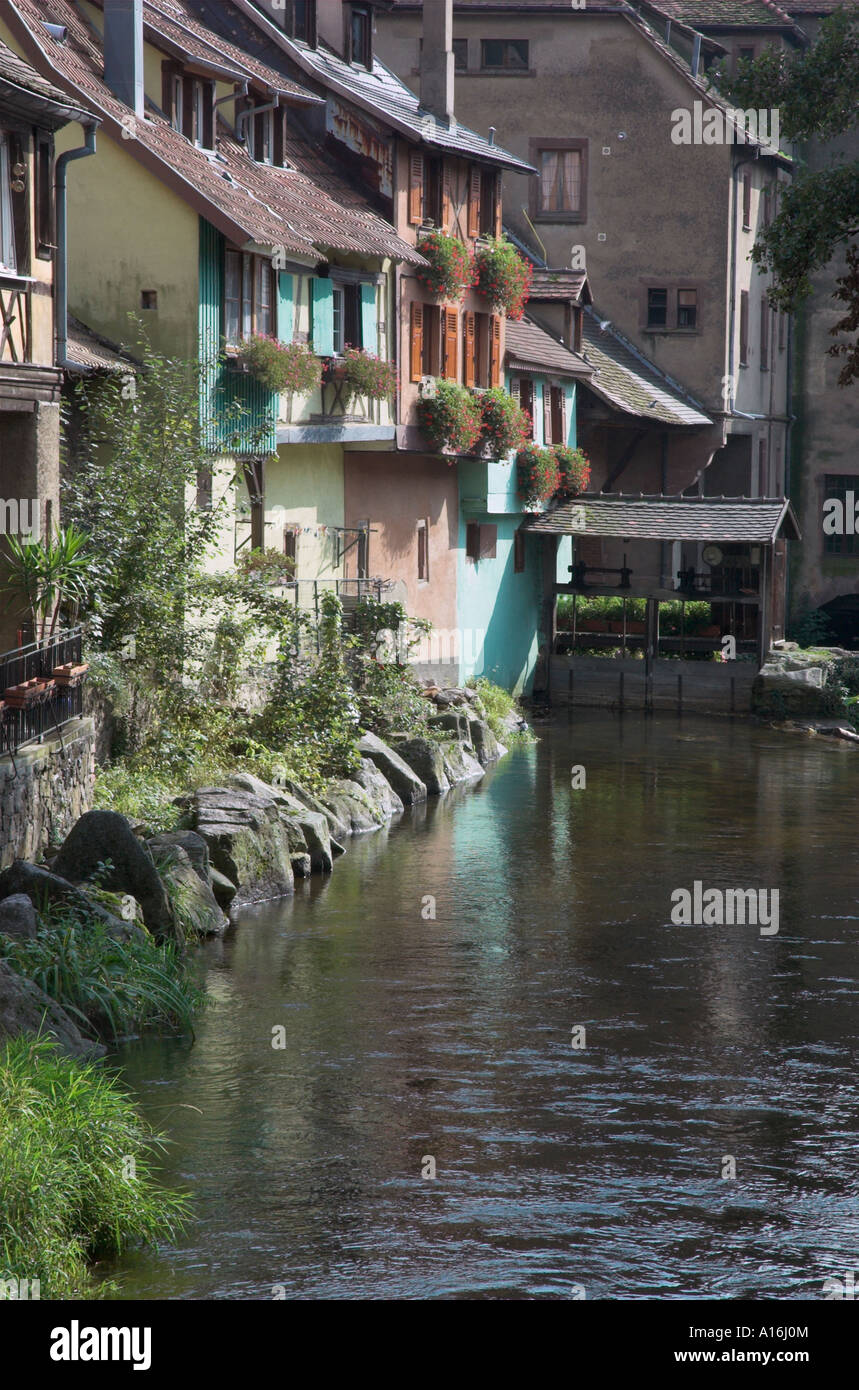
point(77, 1180)
point(282, 366)
point(451, 419)
point(497, 704)
point(368, 375)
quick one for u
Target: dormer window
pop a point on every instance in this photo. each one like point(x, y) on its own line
point(264, 131)
point(359, 36)
point(189, 105)
point(304, 21)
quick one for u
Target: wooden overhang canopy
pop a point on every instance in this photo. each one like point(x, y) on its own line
point(731, 520)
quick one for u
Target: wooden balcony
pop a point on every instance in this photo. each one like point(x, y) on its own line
point(16, 320)
point(23, 380)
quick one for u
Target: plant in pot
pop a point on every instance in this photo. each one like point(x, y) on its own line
point(451, 419)
point(281, 366)
point(50, 575)
point(503, 276)
point(450, 271)
point(538, 475)
point(366, 374)
point(506, 426)
point(574, 468)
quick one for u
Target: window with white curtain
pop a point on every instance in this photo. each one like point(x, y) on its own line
point(560, 180)
point(7, 226)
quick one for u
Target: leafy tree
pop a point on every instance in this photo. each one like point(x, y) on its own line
point(816, 93)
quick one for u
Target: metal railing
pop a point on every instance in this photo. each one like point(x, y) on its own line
point(48, 706)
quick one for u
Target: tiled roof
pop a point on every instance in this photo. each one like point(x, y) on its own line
point(731, 13)
point(733, 519)
point(549, 285)
point(18, 74)
point(530, 348)
point(524, 5)
point(89, 352)
point(307, 209)
point(626, 380)
point(380, 91)
point(177, 23)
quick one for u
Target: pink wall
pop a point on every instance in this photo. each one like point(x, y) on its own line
point(393, 492)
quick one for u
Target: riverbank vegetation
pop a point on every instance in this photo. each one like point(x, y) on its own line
point(77, 1175)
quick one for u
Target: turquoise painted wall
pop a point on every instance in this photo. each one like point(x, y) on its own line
point(498, 611)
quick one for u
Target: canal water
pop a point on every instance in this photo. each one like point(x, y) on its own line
point(427, 997)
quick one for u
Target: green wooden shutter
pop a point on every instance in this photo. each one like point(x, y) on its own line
point(285, 306)
point(323, 317)
point(369, 319)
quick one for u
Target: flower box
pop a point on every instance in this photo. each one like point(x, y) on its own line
point(592, 625)
point(70, 675)
point(25, 694)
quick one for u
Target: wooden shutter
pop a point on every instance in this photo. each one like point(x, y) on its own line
point(557, 399)
point(416, 188)
point(747, 201)
point(279, 152)
point(563, 412)
point(765, 333)
point(322, 299)
point(474, 183)
point(472, 540)
point(451, 318)
point(446, 197)
point(168, 72)
point(369, 319)
point(518, 551)
point(285, 306)
point(470, 349)
point(547, 415)
point(495, 351)
point(496, 193)
point(526, 399)
point(209, 115)
point(417, 341)
point(188, 107)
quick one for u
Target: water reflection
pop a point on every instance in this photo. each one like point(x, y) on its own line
point(451, 1036)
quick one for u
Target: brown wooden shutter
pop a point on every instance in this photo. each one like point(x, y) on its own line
point(416, 188)
point(188, 107)
point(417, 340)
point(208, 115)
point(474, 201)
point(472, 540)
point(518, 552)
point(470, 345)
point(547, 415)
point(526, 399)
point(168, 71)
point(446, 198)
point(499, 224)
point(279, 152)
point(495, 351)
point(451, 319)
point(765, 333)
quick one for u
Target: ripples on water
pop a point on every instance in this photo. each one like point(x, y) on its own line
point(557, 1167)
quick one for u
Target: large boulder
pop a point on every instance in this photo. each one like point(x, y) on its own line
point(351, 803)
point(338, 825)
point(484, 742)
point(404, 780)
point(454, 722)
point(780, 693)
point(461, 763)
point(194, 904)
point(248, 843)
point(222, 887)
point(25, 1008)
point(193, 844)
point(425, 757)
point(378, 789)
point(102, 835)
point(41, 885)
point(313, 824)
point(18, 916)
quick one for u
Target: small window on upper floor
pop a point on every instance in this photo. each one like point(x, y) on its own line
point(657, 308)
point(687, 308)
point(188, 103)
point(264, 133)
point(359, 36)
point(460, 55)
point(248, 296)
point(507, 55)
point(304, 21)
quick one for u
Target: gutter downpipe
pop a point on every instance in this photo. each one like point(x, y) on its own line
point(62, 278)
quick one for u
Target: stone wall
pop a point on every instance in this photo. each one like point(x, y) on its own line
point(53, 788)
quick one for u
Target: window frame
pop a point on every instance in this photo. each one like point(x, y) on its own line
point(672, 289)
point(8, 249)
point(362, 13)
point(537, 148)
point(422, 536)
point(838, 485)
point(505, 67)
point(250, 272)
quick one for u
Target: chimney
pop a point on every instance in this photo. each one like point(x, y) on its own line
point(437, 74)
point(123, 51)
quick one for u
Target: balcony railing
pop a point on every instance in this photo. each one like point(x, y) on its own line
point(41, 689)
